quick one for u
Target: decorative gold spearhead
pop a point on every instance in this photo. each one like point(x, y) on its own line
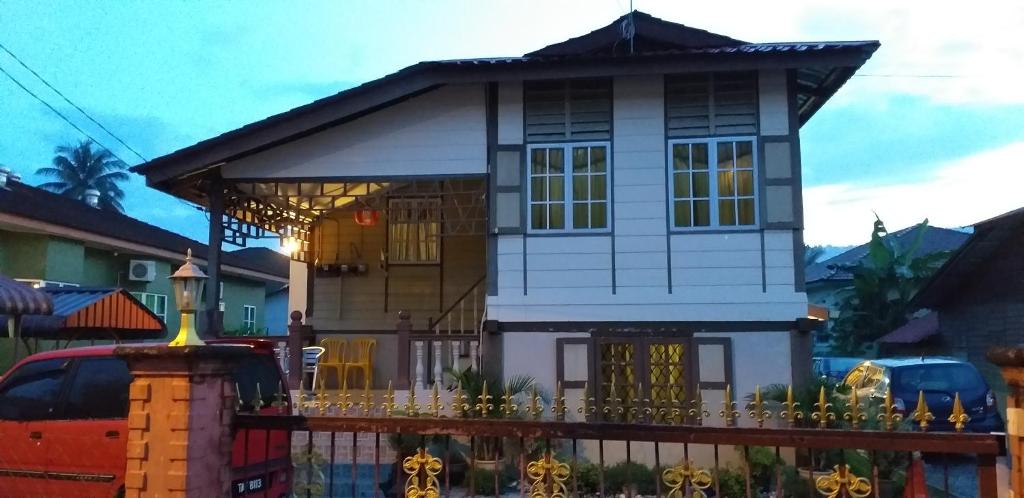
point(412, 409)
point(587, 407)
point(823, 410)
point(558, 404)
point(889, 417)
point(642, 404)
point(257, 404)
point(958, 417)
point(367, 405)
point(922, 415)
point(389, 401)
point(322, 403)
point(613, 404)
point(791, 408)
point(508, 405)
point(435, 403)
point(345, 400)
point(855, 415)
point(756, 407)
point(238, 398)
point(302, 400)
point(279, 399)
point(729, 411)
point(536, 404)
point(460, 403)
point(699, 411)
point(484, 405)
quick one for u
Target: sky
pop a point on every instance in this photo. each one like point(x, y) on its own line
point(932, 127)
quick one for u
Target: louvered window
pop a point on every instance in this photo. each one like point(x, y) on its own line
point(578, 109)
point(711, 104)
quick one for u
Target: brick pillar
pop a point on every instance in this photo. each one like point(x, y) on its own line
point(179, 421)
point(1011, 361)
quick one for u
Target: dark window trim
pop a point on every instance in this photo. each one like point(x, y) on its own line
point(560, 344)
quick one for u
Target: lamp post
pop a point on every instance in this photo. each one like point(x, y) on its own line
point(188, 283)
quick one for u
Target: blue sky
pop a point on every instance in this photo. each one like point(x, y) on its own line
point(934, 128)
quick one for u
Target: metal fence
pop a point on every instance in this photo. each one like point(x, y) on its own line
point(462, 443)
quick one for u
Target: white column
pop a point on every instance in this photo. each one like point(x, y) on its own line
point(456, 353)
point(438, 372)
point(473, 348)
point(421, 380)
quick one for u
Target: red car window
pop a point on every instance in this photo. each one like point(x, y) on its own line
point(33, 390)
point(99, 390)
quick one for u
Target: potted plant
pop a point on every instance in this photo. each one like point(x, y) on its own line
point(487, 452)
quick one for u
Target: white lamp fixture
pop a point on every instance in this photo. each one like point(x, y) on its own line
point(188, 283)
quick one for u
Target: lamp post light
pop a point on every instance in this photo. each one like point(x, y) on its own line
point(188, 283)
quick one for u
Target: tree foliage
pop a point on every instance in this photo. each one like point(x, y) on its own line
point(884, 283)
point(76, 169)
point(813, 254)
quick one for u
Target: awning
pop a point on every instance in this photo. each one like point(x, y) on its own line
point(914, 331)
point(17, 298)
point(93, 313)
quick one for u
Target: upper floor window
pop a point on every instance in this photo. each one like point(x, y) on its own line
point(574, 109)
point(711, 104)
point(414, 231)
point(569, 188)
point(157, 303)
point(713, 183)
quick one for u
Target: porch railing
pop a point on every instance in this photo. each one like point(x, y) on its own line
point(450, 443)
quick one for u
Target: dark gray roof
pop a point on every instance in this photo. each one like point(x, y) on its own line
point(822, 68)
point(270, 260)
point(988, 238)
point(33, 203)
point(935, 240)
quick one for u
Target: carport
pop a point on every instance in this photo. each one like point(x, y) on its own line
point(16, 301)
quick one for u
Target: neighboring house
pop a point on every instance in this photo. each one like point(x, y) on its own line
point(976, 298)
point(275, 308)
point(53, 241)
point(826, 283)
point(612, 210)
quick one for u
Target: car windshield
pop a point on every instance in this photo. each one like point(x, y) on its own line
point(947, 377)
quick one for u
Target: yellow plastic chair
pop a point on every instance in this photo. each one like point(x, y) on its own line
point(362, 359)
point(333, 358)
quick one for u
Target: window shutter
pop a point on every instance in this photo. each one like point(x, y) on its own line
point(704, 104)
point(578, 109)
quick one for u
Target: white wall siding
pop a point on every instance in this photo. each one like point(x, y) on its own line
point(510, 112)
point(439, 132)
point(533, 354)
point(510, 265)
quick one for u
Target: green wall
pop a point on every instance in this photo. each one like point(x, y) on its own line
point(24, 255)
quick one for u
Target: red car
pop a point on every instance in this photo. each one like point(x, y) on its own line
point(63, 426)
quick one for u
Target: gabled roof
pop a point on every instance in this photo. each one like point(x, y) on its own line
point(93, 313)
point(935, 239)
point(658, 47)
point(989, 237)
point(27, 202)
point(651, 34)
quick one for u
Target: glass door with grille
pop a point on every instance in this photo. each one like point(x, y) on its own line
point(642, 373)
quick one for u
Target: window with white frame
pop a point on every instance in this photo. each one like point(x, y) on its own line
point(249, 318)
point(37, 284)
point(414, 231)
point(713, 183)
point(569, 180)
point(157, 303)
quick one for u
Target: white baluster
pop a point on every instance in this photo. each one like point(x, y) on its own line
point(456, 353)
point(420, 380)
point(438, 379)
point(473, 347)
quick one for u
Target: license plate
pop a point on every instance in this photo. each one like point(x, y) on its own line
point(242, 487)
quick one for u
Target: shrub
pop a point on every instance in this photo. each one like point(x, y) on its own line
point(618, 476)
point(732, 483)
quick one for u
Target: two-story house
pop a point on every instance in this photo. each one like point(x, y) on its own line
point(620, 209)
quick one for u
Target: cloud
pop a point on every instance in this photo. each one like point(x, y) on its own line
point(958, 193)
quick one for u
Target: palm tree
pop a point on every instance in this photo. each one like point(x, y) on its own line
point(77, 169)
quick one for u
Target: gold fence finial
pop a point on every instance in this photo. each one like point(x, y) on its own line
point(729, 411)
point(302, 400)
point(823, 410)
point(958, 417)
point(558, 404)
point(536, 404)
point(757, 409)
point(587, 407)
point(508, 403)
point(484, 406)
point(389, 401)
point(412, 408)
point(345, 400)
point(239, 402)
point(855, 415)
point(279, 399)
point(791, 408)
point(699, 410)
point(922, 415)
point(257, 404)
point(322, 403)
point(889, 416)
point(367, 404)
point(460, 403)
point(435, 403)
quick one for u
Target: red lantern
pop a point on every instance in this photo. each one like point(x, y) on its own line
point(366, 217)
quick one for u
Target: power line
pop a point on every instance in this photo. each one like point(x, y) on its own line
point(66, 99)
point(60, 114)
point(908, 76)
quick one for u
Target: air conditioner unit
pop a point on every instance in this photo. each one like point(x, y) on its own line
point(141, 270)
